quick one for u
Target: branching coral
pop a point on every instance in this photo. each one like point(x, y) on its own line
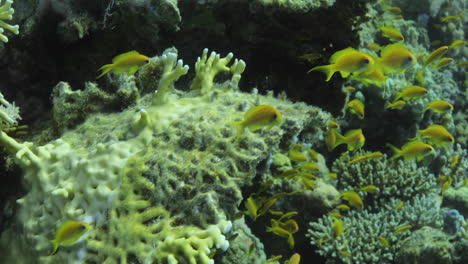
point(6, 13)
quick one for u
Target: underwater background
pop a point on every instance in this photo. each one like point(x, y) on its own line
point(233, 131)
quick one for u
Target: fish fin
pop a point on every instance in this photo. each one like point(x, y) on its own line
point(327, 69)
point(341, 53)
point(105, 69)
point(395, 149)
point(389, 48)
point(344, 74)
point(55, 244)
point(239, 125)
point(120, 70)
point(124, 55)
point(132, 70)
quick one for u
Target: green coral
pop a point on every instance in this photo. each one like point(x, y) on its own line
point(6, 13)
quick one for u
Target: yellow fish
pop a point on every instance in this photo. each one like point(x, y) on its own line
point(396, 57)
point(444, 62)
point(392, 33)
point(68, 233)
point(258, 117)
point(356, 107)
point(437, 135)
point(383, 241)
point(353, 198)
point(394, 10)
point(372, 155)
point(439, 106)
point(402, 229)
point(295, 259)
point(412, 150)
point(345, 61)
point(412, 92)
point(374, 47)
point(338, 227)
point(354, 139)
point(457, 44)
point(128, 62)
point(396, 105)
point(369, 189)
point(434, 56)
point(374, 75)
point(450, 19)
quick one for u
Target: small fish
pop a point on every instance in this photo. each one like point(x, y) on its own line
point(396, 57)
point(313, 154)
point(288, 215)
point(372, 76)
point(342, 207)
point(273, 259)
point(295, 259)
point(310, 57)
point(252, 208)
point(399, 205)
point(396, 105)
point(369, 189)
point(332, 175)
point(334, 214)
point(402, 229)
point(266, 205)
point(290, 225)
point(309, 166)
point(434, 56)
point(345, 253)
point(412, 150)
point(354, 139)
point(394, 10)
point(392, 33)
point(412, 93)
point(454, 161)
point(353, 198)
point(356, 107)
point(372, 155)
point(437, 135)
point(68, 233)
point(349, 89)
point(374, 47)
point(295, 153)
point(450, 19)
point(398, 17)
point(439, 106)
point(383, 241)
point(345, 61)
point(444, 62)
point(457, 44)
point(338, 227)
point(307, 183)
point(128, 62)
point(462, 64)
point(258, 117)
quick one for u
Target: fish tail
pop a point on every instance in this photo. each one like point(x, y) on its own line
point(55, 244)
point(340, 139)
point(105, 69)
point(395, 149)
point(327, 69)
point(239, 125)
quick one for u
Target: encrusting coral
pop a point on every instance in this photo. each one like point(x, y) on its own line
point(158, 182)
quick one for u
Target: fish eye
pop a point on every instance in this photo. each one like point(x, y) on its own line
point(275, 116)
point(410, 58)
point(449, 139)
point(83, 227)
point(429, 149)
point(366, 60)
point(146, 61)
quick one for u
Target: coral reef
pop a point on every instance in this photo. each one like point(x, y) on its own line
point(166, 168)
